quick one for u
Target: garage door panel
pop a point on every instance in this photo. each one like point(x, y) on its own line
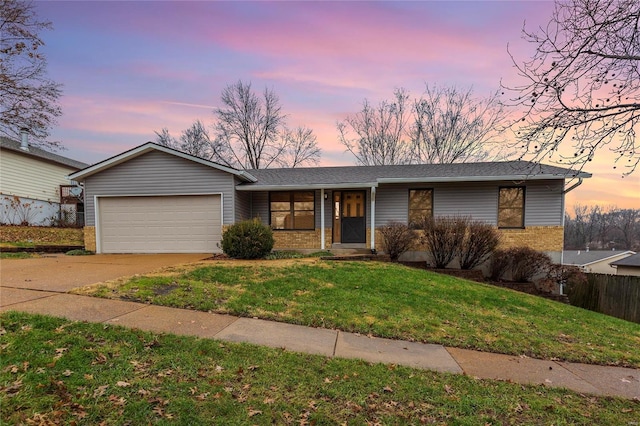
point(172, 224)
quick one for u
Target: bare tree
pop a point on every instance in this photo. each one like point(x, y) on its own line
point(250, 126)
point(194, 141)
point(581, 89)
point(599, 227)
point(452, 126)
point(250, 133)
point(300, 148)
point(28, 99)
point(376, 135)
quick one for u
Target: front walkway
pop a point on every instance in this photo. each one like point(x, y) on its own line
point(597, 380)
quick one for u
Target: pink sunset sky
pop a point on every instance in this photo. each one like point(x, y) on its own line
point(129, 68)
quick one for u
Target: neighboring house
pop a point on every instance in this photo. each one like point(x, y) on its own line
point(34, 188)
point(628, 266)
point(155, 199)
point(594, 261)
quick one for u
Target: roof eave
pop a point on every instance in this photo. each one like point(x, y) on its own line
point(301, 187)
point(427, 179)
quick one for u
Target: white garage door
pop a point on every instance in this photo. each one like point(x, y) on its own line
point(173, 224)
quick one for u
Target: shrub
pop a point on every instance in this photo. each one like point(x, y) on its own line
point(499, 264)
point(397, 238)
point(249, 239)
point(567, 275)
point(443, 237)
point(79, 252)
point(525, 263)
point(480, 240)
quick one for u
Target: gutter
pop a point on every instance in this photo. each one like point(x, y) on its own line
point(574, 186)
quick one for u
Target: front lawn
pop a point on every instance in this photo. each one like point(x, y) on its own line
point(53, 371)
point(393, 301)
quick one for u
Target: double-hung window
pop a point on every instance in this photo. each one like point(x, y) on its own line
point(292, 210)
point(511, 207)
point(420, 206)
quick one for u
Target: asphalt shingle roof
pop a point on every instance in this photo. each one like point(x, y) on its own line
point(416, 172)
point(10, 144)
point(583, 257)
point(628, 261)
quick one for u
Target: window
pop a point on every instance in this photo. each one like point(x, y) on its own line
point(292, 210)
point(511, 207)
point(420, 206)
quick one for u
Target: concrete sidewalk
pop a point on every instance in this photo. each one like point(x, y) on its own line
point(592, 379)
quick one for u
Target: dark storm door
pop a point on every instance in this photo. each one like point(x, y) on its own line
point(353, 222)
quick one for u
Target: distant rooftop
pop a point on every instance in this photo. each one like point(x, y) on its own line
point(628, 261)
point(584, 257)
point(10, 144)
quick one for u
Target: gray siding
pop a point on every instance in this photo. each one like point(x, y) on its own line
point(243, 205)
point(260, 206)
point(158, 173)
point(543, 202)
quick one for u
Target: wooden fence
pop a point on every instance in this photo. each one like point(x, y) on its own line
point(615, 295)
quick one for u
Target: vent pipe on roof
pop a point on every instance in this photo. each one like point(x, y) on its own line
point(24, 143)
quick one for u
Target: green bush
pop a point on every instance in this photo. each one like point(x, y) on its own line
point(249, 239)
point(79, 252)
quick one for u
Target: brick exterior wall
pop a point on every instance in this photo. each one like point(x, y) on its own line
point(296, 240)
point(540, 238)
point(90, 238)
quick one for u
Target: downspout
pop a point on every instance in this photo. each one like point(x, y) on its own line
point(373, 220)
point(24, 139)
point(322, 219)
point(571, 188)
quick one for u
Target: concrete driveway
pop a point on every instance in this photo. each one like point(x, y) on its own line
point(60, 273)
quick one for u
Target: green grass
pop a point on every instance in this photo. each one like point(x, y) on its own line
point(16, 255)
point(79, 252)
point(21, 244)
point(394, 301)
point(53, 371)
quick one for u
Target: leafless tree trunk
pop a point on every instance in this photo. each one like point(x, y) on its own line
point(250, 125)
point(250, 133)
point(28, 99)
point(581, 89)
point(376, 135)
point(451, 126)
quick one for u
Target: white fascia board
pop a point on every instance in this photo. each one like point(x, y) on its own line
point(305, 187)
point(618, 253)
point(148, 147)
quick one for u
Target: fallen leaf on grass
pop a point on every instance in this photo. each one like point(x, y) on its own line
point(122, 384)
point(253, 412)
point(14, 388)
point(67, 373)
point(100, 391)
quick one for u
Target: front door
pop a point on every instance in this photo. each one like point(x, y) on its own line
point(352, 217)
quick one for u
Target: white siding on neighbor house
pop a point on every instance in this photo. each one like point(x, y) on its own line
point(543, 202)
point(158, 173)
point(29, 177)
